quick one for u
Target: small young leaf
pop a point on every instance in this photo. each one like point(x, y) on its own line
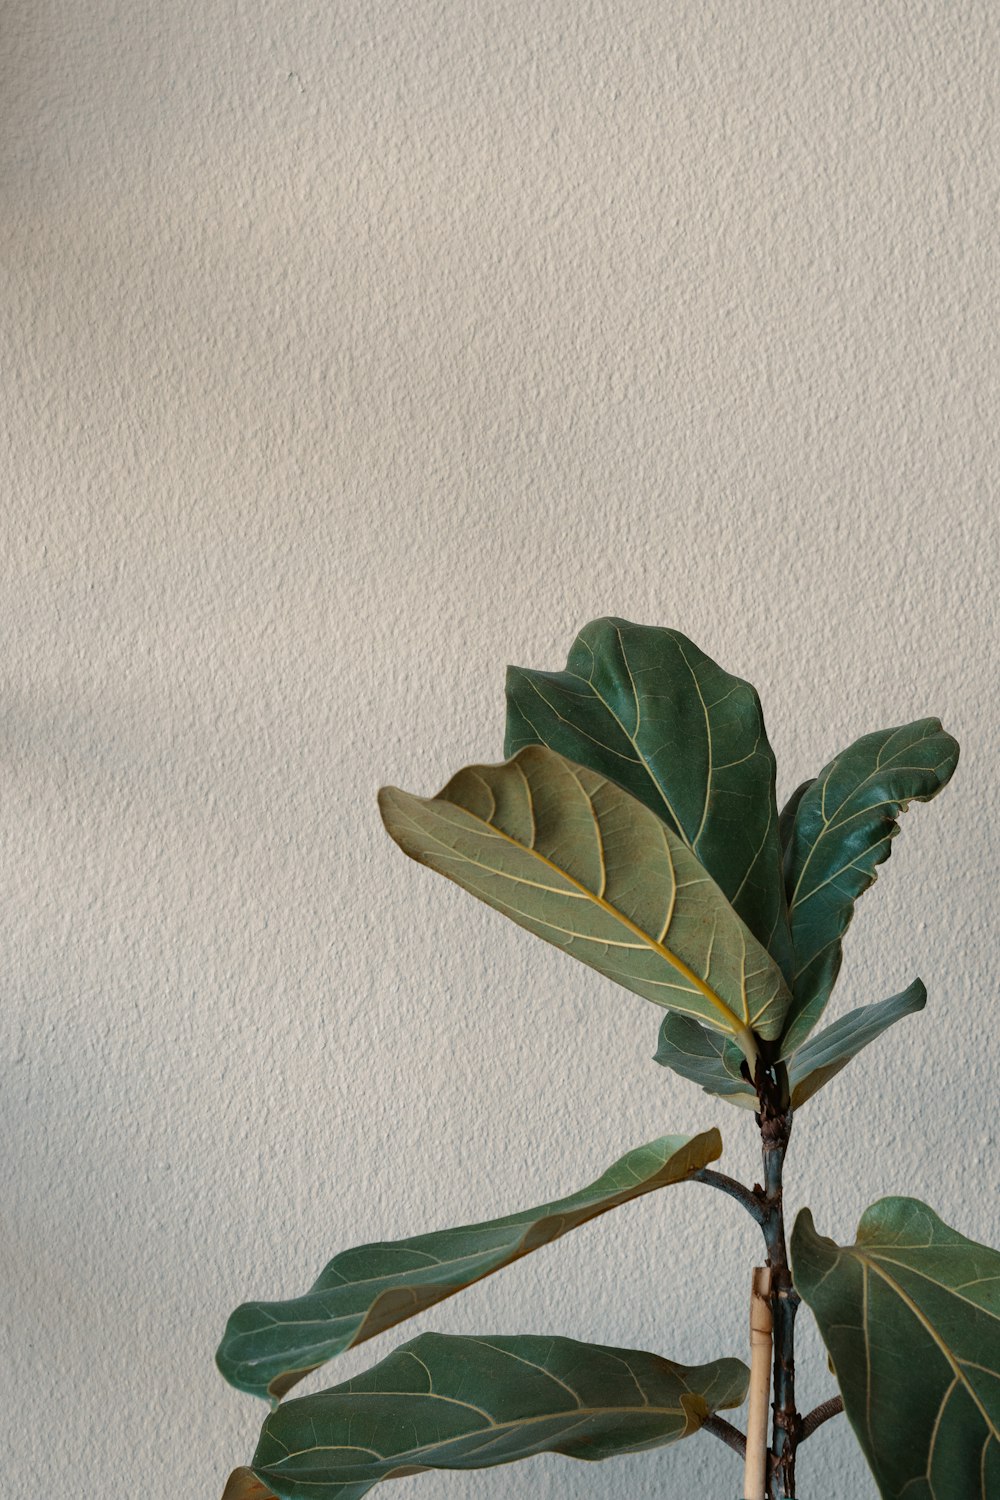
point(822, 1056)
point(646, 708)
point(472, 1403)
point(269, 1346)
point(704, 1057)
point(911, 1317)
point(714, 1061)
point(581, 863)
point(843, 827)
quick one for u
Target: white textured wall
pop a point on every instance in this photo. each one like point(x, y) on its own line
point(349, 352)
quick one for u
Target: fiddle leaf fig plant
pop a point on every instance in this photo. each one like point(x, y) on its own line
point(634, 825)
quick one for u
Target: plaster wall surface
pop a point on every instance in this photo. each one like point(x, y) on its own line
point(349, 353)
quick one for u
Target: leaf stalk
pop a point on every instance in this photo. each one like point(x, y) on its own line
point(819, 1415)
point(743, 1195)
point(729, 1434)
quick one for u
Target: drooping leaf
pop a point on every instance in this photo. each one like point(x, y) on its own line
point(843, 827)
point(471, 1403)
point(269, 1346)
point(646, 708)
point(911, 1317)
point(823, 1055)
point(581, 863)
point(705, 1057)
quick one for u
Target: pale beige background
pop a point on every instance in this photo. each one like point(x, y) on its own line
point(349, 352)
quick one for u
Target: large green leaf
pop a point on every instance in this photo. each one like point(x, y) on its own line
point(911, 1317)
point(268, 1346)
point(472, 1403)
point(704, 1057)
point(645, 707)
point(822, 1056)
point(843, 827)
point(583, 864)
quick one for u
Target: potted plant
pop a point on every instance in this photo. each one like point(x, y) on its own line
point(634, 825)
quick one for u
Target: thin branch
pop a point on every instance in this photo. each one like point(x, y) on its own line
point(727, 1432)
point(819, 1415)
point(735, 1190)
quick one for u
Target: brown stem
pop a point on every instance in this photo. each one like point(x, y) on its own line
point(727, 1432)
point(819, 1415)
point(775, 1121)
point(750, 1201)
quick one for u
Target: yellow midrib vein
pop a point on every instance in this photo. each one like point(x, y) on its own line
point(736, 1027)
point(929, 1328)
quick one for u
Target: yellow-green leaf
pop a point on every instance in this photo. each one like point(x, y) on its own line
point(706, 1058)
point(583, 864)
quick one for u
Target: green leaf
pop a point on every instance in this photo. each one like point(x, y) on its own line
point(578, 861)
point(704, 1057)
point(843, 827)
point(472, 1403)
point(786, 818)
point(645, 707)
point(269, 1346)
point(714, 1061)
point(911, 1317)
point(822, 1057)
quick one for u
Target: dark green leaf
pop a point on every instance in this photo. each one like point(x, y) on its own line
point(646, 708)
point(705, 1057)
point(911, 1317)
point(786, 818)
point(581, 863)
point(843, 828)
point(822, 1056)
point(269, 1346)
point(472, 1403)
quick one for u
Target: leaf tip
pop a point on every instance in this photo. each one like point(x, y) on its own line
point(243, 1484)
